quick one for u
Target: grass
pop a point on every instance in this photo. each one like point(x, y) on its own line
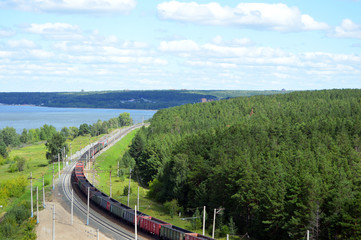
point(37, 164)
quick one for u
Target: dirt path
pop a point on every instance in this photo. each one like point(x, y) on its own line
point(63, 229)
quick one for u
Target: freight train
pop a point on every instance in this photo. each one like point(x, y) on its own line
point(158, 228)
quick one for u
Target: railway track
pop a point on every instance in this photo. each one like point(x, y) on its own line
point(95, 218)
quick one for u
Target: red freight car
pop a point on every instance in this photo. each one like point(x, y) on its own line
point(196, 236)
point(151, 224)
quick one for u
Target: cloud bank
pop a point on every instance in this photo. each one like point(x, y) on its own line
point(262, 16)
point(72, 6)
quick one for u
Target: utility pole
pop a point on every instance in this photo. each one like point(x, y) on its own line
point(72, 207)
point(97, 234)
point(43, 193)
point(216, 211)
point(71, 153)
point(204, 219)
point(54, 222)
point(37, 205)
point(135, 222)
point(89, 155)
point(53, 174)
point(308, 234)
point(130, 174)
point(87, 213)
point(118, 169)
point(31, 194)
point(93, 174)
point(59, 165)
point(110, 183)
point(63, 154)
point(138, 198)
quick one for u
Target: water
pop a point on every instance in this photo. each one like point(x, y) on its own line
point(20, 117)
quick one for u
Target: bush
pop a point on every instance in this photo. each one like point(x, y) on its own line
point(15, 187)
point(29, 233)
point(17, 223)
point(7, 228)
point(20, 213)
point(20, 163)
point(172, 207)
point(125, 191)
point(13, 167)
point(2, 160)
point(46, 182)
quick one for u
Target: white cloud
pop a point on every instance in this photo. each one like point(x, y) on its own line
point(218, 40)
point(52, 28)
point(347, 29)
point(56, 31)
point(39, 53)
point(73, 6)
point(213, 60)
point(6, 33)
point(153, 83)
point(22, 43)
point(178, 46)
point(278, 17)
point(243, 41)
point(5, 54)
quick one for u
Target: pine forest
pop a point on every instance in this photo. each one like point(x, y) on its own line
point(279, 165)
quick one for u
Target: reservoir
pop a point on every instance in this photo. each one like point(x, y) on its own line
point(20, 117)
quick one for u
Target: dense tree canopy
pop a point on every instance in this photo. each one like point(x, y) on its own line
point(55, 147)
point(279, 165)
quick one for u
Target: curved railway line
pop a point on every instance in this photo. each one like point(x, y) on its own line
point(74, 174)
point(96, 218)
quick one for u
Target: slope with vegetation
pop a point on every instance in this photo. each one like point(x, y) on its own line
point(279, 165)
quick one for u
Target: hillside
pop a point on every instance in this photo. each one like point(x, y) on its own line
point(120, 99)
point(279, 165)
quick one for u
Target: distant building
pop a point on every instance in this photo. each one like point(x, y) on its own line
point(204, 100)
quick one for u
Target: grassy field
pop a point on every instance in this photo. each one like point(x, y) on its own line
point(37, 164)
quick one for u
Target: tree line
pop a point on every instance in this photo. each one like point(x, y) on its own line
point(105, 99)
point(280, 165)
point(150, 99)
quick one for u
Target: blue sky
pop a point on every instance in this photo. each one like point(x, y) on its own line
point(69, 45)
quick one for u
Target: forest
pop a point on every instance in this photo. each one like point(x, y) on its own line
point(279, 165)
point(126, 99)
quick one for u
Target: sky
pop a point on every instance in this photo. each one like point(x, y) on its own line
point(94, 45)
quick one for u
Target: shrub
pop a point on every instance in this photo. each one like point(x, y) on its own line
point(16, 186)
point(20, 213)
point(2, 160)
point(125, 191)
point(20, 163)
point(29, 233)
point(7, 229)
point(13, 167)
point(172, 207)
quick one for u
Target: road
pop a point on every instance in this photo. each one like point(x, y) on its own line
point(96, 220)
